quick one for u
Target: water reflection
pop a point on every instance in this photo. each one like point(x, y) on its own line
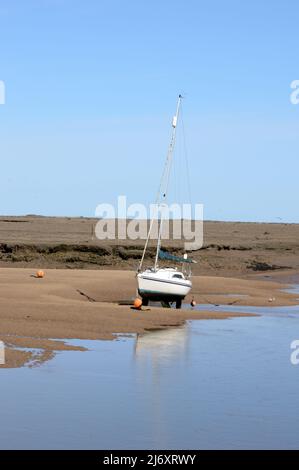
point(162, 345)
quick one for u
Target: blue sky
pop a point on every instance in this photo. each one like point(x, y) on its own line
point(91, 87)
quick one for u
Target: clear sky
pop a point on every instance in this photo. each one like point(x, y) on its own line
point(91, 87)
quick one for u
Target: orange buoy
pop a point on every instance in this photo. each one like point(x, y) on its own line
point(40, 274)
point(137, 303)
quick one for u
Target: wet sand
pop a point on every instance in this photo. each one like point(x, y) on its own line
point(83, 304)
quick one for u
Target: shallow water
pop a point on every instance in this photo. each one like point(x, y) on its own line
point(211, 384)
point(289, 311)
point(293, 290)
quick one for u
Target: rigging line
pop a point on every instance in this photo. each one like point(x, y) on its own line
point(164, 181)
point(157, 204)
point(169, 165)
point(162, 192)
point(176, 171)
point(180, 182)
point(186, 157)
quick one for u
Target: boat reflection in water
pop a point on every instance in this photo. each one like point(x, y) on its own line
point(160, 347)
point(160, 357)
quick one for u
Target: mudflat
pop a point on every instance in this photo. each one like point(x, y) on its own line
point(230, 248)
point(83, 304)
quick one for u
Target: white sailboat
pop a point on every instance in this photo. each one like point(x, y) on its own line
point(165, 284)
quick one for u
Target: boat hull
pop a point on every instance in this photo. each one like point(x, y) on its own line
point(153, 287)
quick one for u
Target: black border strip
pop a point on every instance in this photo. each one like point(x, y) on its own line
point(149, 458)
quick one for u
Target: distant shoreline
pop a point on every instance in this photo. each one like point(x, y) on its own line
point(20, 216)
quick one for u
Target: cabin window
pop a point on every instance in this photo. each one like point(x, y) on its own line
point(178, 276)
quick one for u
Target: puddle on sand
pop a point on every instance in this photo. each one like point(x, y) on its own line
point(210, 384)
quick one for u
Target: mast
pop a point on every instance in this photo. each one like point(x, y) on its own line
point(163, 188)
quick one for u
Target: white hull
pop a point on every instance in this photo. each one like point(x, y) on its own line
point(163, 284)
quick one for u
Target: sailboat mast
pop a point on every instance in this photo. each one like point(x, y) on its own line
point(163, 188)
point(166, 176)
point(169, 159)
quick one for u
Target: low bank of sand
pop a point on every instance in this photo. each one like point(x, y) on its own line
point(230, 249)
point(83, 304)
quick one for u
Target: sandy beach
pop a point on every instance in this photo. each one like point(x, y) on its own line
point(41, 314)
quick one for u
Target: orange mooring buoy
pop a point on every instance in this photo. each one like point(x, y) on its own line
point(137, 303)
point(40, 274)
